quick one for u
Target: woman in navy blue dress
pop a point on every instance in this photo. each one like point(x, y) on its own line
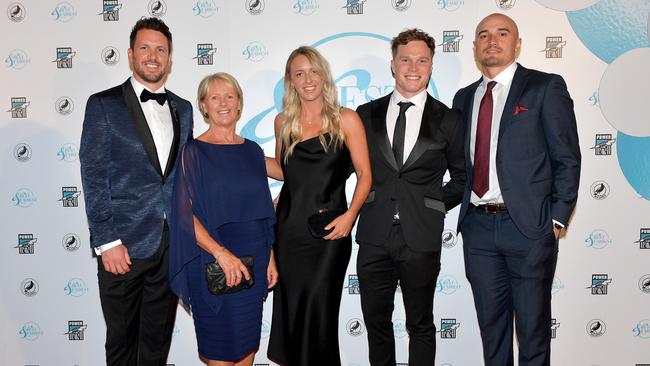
point(222, 211)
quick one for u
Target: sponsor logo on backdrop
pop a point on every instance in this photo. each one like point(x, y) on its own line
point(353, 284)
point(598, 239)
point(63, 12)
point(448, 328)
point(26, 243)
point(19, 107)
point(254, 7)
point(450, 5)
point(16, 12)
point(306, 7)
point(554, 45)
point(594, 100)
point(399, 328)
point(110, 56)
point(111, 10)
point(64, 106)
point(254, 51)
point(599, 284)
point(29, 287)
point(17, 59)
point(204, 54)
point(23, 198)
point(596, 327)
point(71, 242)
point(505, 4)
point(64, 57)
point(204, 8)
point(75, 287)
point(22, 152)
point(599, 190)
point(68, 152)
point(266, 329)
point(449, 238)
point(642, 329)
point(554, 325)
point(604, 142)
point(644, 283)
point(30, 331)
point(70, 196)
point(76, 329)
point(644, 238)
point(400, 5)
point(451, 41)
point(355, 327)
point(157, 8)
point(354, 7)
point(447, 285)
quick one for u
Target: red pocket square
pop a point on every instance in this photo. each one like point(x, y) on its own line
point(519, 109)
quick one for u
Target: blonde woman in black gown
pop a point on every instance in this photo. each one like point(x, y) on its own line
point(317, 144)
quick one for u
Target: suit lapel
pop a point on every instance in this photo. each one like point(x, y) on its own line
point(378, 121)
point(177, 132)
point(428, 127)
point(468, 109)
point(141, 126)
point(516, 89)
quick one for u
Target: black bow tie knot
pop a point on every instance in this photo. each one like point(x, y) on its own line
point(146, 95)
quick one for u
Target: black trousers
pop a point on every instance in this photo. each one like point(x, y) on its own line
point(379, 268)
point(139, 310)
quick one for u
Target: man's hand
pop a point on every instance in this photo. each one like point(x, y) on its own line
point(116, 260)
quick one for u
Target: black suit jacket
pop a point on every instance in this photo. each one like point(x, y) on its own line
point(538, 155)
point(418, 186)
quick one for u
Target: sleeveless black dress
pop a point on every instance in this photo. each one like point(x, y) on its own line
point(306, 301)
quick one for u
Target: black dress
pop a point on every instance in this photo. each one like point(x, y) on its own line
point(306, 301)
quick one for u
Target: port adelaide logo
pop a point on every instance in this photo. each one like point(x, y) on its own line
point(254, 7)
point(505, 4)
point(355, 327)
point(554, 325)
point(603, 145)
point(599, 284)
point(554, 45)
point(29, 287)
point(644, 283)
point(16, 12)
point(22, 152)
point(76, 330)
point(110, 56)
point(353, 284)
point(157, 8)
point(64, 57)
point(110, 10)
point(64, 106)
point(595, 328)
point(19, 107)
point(401, 5)
point(26, 243)
point(644, 238)
point(448, 328)
point(599, 190)
point(204, 54)
point(71, 242)
point(354, 7)
point(449, 238)
point(70, 196)
point(451, 41)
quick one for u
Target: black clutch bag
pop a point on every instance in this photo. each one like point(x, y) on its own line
point(320, 219)
point(216, 278)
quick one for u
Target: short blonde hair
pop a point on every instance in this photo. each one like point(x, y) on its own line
point(204, 85)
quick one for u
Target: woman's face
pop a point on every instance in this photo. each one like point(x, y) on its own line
point(306, 81)
point(221, 103)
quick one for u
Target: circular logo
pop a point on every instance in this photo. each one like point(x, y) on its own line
point(305, 7)
point(254, 51)
point(599, 190)
point(30, 331)
point(22, 152)
point(644, 284)
point(505, 4)
point(68, 153)
point(399, 328)
point(447, 285)
point(266, 329)
point(17, 59)
point(63, 12)
point(595, 327)
point(110, 56)
point(71, 242)
point(598, 239)
point(642, 329)
point(23, 198)
point(557, 285)
point(355, 327)
point(76, 287)
point(64, 106)
point(157, 8)
point(16, 12)
point(29, 287)
point(448, 238)
point(450, 5)
point(254, 6)
point(204, 8)
point(401, 5)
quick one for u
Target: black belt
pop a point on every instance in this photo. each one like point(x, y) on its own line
point(492, 208)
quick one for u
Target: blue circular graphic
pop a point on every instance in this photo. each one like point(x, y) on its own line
point(634, 159)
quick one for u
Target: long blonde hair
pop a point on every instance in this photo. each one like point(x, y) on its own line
point(290, 130)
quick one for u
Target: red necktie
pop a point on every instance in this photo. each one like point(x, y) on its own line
point(481, 170)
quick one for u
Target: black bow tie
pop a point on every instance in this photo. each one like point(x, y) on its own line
point(146, 95)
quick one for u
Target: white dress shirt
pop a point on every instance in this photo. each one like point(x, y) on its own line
point(413, 119)
point(159, 120)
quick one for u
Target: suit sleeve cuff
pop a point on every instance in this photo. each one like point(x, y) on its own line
point(107, 246)
point(561, 225)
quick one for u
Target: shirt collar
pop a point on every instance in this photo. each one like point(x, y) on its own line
point(503, 78)
point(418, 99)
point(138, 87)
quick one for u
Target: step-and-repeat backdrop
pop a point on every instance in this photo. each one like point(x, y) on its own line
point(56, 53)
